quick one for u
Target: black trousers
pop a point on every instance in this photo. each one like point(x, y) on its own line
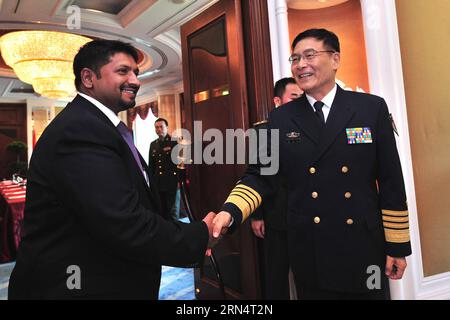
point(308, 293)
point(276, 264)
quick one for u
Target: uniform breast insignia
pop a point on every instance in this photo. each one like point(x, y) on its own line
point(165, 149)
point(358, 135)
point(293, 137)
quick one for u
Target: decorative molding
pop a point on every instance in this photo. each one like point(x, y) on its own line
point(180, 17)
point(88, 16)
point(279, 36)
point(258, 57)
point(436, 287)
point(386, 79)
point(134, 10)
point(172, 42)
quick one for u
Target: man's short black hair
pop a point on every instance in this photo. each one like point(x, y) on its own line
point(330, 40)
point(280, 86)
point(97, 53)
point(162, 119)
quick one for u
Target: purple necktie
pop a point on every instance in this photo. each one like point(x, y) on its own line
point(126, 134)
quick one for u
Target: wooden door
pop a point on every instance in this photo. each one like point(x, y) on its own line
point(13, 127)
point(215, 93)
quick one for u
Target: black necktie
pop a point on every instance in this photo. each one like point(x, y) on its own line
point(318, 107)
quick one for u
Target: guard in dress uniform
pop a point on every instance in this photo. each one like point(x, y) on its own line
point(165, 172)
point(347, 215)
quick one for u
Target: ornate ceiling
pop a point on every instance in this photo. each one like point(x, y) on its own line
point(152, 26)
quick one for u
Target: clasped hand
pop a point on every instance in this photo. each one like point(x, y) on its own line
point(217, 226)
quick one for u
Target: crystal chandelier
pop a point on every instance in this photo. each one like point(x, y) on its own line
point(43, 59)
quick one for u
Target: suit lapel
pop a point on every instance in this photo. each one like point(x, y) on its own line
point(79, 100)
point(306, 120)
point(340, 114)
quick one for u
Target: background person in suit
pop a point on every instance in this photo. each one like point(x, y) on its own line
point(347, 212)
point(269, 220)
point(165, 172)
point(93, 225)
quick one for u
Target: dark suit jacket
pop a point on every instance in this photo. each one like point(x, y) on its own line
point(346, 202)
point(88, 205)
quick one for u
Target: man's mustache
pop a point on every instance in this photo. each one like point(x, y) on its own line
point(130, 87)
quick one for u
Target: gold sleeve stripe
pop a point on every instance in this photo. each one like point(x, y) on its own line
point(246, 192)
point(249, 191)
point(395, 213)
point(247, 195)
point(395, 219)
point(396, 236)
point(241, 203)
point(247, 198)
point(396, 225)
point(386, 215)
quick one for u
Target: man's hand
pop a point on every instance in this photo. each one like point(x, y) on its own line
point(395, 267)
point(208, 219)
point(258, 228)
point(221, 223)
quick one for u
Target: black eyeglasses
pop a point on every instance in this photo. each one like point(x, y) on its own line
point(308, 56)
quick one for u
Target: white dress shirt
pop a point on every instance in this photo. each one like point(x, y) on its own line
point(111, 116)
point(107, 111)
point(327, 100)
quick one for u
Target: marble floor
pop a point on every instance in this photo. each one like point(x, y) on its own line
point(176, 283)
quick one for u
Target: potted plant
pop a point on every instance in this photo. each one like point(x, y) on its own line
point(19, 148)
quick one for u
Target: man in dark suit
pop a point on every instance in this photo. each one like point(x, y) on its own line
point(347, 213)
point(93, 225)
point(269, 220)
point(165, 171)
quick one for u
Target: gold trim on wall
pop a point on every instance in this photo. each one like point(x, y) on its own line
point(220, 91)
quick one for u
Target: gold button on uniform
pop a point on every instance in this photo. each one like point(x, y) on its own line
point(347, 195)
point(160, 172)
point(312, 170)
point(344, 169)
point(316, 220)
point(174, 173)
point(314, 195)
point(349, 221)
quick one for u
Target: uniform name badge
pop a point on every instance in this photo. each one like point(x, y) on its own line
point(358, 135)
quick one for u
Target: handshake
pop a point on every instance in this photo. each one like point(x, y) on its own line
point(217, 226)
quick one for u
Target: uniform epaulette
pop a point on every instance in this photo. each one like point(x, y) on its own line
point(260, 123)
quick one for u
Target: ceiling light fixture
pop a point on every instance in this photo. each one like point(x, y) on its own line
point(43, 59)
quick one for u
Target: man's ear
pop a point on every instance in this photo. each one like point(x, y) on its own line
point(336, 60)
point(277, 101)
point(87, 76)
